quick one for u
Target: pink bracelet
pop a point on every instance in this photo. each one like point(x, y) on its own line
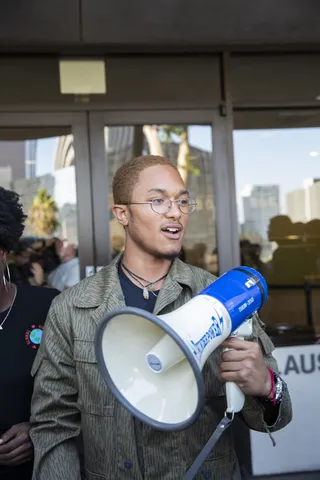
point(272, 387)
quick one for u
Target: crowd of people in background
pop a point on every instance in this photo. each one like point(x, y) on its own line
point(45, 262)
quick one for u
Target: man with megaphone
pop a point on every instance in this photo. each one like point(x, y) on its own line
point(104, 342)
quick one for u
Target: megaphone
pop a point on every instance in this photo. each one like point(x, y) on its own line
point(153, 364)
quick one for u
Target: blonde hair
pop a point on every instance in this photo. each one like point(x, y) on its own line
point(127, 176)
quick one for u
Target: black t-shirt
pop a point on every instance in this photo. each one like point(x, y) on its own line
point(134, 298)
point(134, 295)
point(19, 342)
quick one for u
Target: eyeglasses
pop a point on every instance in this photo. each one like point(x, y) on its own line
point(162, 205)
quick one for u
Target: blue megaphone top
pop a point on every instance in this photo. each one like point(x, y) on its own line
point(241, 290)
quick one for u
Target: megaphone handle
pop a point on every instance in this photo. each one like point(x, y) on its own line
point(234, 394)
point(235, 398)
point(209, 446)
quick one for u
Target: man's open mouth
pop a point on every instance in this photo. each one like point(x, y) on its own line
point(172, 231)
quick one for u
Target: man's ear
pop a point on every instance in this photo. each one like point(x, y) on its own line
point(121, 213)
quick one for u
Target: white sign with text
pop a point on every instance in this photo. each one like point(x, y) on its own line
point(297, 445)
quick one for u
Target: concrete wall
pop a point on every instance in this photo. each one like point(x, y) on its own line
point(106, 25)
point(174, 81)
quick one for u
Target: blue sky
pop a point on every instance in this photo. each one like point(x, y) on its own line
point(46, 150)
point(263, 157)
point(280, 157)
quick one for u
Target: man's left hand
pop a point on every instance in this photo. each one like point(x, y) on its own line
point(15, 445)
point(244, 365)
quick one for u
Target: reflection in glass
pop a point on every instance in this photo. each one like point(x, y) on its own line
point(189, 147)
point(42, 171)
point(278, 195)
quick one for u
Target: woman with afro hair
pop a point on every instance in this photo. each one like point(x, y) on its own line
point(23, 310)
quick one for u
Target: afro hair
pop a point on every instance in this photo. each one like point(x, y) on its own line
point(12, 219)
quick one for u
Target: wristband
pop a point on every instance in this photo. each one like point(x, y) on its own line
point(272, 389)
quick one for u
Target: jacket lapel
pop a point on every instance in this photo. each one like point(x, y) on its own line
point(180, 275)
point(168, 294)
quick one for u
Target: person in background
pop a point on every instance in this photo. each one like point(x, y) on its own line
point(23, 311)
point(23, 265)
point(33, 260)
point(67, 274)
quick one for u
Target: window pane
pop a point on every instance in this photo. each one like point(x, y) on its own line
point(42, 170)
point(278, 195)
point(194, 144)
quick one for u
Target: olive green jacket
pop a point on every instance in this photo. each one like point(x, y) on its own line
point(70, 397)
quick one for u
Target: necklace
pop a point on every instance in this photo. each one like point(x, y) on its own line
point(10, 308)
point(148, 285)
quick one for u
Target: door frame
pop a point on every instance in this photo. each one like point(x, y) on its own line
point(78, 122)
point(222, 174)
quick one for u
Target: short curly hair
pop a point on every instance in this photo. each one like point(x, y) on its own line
point(127, 176)
point(12, 219)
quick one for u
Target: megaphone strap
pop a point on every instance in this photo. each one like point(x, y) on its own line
point(209, 446)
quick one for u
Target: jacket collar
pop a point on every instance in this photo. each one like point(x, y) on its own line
point(96, 289)
point(105, 287)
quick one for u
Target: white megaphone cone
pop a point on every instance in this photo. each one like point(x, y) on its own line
point(153, 364)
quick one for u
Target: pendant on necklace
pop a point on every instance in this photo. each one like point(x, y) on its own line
point(145, 294)
point(1, 327)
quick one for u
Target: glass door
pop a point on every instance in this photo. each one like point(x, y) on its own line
point(186, 138)
point(45, 159)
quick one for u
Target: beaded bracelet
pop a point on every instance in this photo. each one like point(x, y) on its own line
point(272, 390)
